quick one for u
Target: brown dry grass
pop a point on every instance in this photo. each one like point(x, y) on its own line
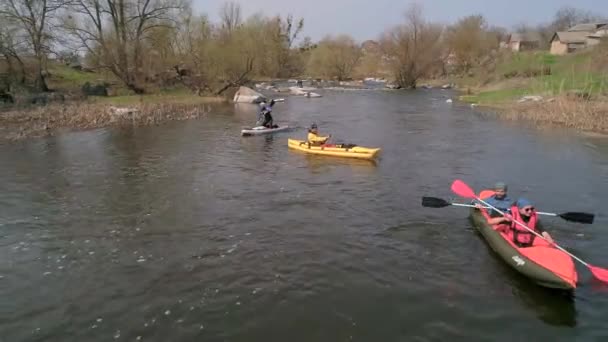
point(586, 115)
point(40, 121)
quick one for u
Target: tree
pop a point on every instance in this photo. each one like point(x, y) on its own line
point(34, 18)
point(230, 16)
point(11, 50)
point(335, 58)
point(284, 33)
point(113, 32)
point(412, 49)
point(235, 59)
point(566, 17)
point(469, 40)
point(307, 44)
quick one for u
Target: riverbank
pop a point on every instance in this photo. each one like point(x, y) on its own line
point(587, 116)
point(569, 90)
point(36, 121)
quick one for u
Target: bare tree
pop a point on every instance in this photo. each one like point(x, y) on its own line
point(35, 18)
point(113, 32)
point(236, 59)
point(283, 34)
point(566, 17)
point(230, 16)
point(192, 46)
point(412, 49)
point(11, 49)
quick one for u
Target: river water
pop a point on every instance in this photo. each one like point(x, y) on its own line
point(189, 232)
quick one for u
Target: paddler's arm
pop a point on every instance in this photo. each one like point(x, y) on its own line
point(498, 220)
point(318, 139)
point(541, 230)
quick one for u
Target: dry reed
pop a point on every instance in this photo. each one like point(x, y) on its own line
point(587, 115)
point(44, 120)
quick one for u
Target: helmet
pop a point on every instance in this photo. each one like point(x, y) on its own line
point(262, 104)
point(313, 126)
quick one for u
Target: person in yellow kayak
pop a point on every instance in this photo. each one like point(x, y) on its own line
point(314, 138)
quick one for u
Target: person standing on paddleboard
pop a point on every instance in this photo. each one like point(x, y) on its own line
point(264, 116)
point(260, 119)
point(268, 120)
point(499, 200)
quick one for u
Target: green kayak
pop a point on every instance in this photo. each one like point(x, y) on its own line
point(542, 263)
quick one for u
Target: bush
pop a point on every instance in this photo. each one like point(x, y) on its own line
point(96, 90)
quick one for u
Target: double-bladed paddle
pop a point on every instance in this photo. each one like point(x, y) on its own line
point(462, 189)
point(434, 202)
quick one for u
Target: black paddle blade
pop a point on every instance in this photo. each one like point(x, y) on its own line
point(434, 202)
point(578, 217)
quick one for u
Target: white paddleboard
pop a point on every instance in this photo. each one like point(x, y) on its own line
point(262, 130)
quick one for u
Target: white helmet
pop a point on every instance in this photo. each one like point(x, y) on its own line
point(262, 104)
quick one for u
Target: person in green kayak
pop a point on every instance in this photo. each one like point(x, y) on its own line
point(499, 200)
point(314, 138)
point(522, 211)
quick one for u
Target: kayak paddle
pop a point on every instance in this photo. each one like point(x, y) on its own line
point(434, 202)
point(460, 188)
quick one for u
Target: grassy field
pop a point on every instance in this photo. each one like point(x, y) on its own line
point(180, 97)
point(517, 74)
point(68, 80)
point(574, 88)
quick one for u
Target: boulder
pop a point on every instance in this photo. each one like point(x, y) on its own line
point(248, 95)
point(303, 92)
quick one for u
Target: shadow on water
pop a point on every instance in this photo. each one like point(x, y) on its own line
point(554, 307)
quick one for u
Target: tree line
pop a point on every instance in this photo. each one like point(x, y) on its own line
point(143, 42)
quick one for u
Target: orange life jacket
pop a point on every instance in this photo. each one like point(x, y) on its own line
point(520, 235)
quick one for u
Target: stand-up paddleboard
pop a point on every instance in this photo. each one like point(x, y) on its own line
point(262, 130)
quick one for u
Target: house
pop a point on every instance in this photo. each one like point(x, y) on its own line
point(578, 37)
point(523, 41)
point(595, 38)
point(567, 42)
point(370, 47)
point(589, 27)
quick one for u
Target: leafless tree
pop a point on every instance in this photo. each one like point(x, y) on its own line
point(35, 18)
point(230, 16)
point(113, 32)
point(412, 49)
point(11, 49)
point(286, 32)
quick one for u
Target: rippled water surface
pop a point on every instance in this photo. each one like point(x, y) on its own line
point(189, 232)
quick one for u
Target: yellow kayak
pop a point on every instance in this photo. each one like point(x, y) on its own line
point(352, 152)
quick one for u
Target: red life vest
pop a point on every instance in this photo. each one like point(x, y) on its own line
point(520, 235)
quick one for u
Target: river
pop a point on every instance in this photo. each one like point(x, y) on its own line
point(189, 232)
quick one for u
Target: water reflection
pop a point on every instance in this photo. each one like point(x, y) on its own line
point(190, 217)
point(554, 307)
